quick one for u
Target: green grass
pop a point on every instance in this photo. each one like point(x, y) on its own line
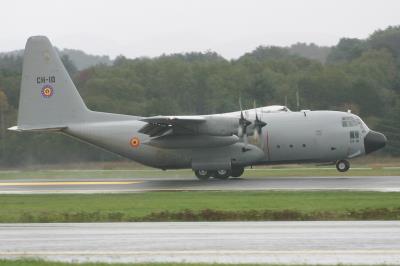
point(184, 206)
point(142, 173)
point(22, 262)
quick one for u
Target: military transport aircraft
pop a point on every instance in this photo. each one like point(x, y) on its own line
point(219, 145)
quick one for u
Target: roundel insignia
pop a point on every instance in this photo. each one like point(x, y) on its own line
point(135, 142)
point(47, 91)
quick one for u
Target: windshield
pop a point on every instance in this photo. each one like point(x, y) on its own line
point(354, 121)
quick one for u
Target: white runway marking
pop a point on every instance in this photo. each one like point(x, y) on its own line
point(351, 242)
point(65, 183)
point(200, 252)
point(391, 168)
point(111, 191)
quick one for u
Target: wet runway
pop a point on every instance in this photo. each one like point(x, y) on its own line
point(353, 242)
point(81, 185)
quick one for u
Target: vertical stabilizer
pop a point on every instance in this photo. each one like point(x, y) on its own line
point(48, 97)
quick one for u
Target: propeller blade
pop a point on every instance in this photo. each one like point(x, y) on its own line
point(241, 108)
point(256, 135)
point(258, 125)
point(243, 124)
point(255, 109)
point(246, 141)
point(240, 131)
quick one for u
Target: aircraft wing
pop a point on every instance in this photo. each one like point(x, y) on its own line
point(163, 125)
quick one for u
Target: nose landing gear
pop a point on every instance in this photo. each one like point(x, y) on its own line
point(342, 165)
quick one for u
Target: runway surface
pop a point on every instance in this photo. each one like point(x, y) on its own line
point(369, 242)
point(79, 185)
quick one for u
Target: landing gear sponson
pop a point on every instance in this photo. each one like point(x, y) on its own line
point(222, 174)
point(341, 166)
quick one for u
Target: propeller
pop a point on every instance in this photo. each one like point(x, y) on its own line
point(243, 124)
point(256, 128)
point(258, 124)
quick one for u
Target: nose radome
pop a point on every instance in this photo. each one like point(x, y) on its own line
point(374, 141)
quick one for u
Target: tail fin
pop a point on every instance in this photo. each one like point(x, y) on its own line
point(49, 99)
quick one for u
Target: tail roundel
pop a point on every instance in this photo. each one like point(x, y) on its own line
point(49, 99)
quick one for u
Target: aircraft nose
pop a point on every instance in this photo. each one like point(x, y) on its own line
point(374, 141)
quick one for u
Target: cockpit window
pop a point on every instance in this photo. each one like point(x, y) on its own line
point(349, 121)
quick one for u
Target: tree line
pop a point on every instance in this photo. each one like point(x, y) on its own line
point(362, 75)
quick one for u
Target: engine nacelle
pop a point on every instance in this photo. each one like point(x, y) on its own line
point(196, 141)
point(219, 126)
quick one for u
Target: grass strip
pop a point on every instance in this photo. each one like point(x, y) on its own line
point(201, 206)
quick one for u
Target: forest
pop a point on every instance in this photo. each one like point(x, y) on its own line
point(361, 75)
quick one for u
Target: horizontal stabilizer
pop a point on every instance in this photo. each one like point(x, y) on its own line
point(25, 129)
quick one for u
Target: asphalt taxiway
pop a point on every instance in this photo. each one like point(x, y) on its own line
point(82, 185)
point(352, 242)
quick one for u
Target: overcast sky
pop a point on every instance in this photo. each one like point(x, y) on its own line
point(153, 27)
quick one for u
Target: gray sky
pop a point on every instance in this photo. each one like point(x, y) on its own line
point(153, 27)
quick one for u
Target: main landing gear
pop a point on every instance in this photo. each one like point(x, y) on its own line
point(342, 165)
point(219, 174)
point(202, 174)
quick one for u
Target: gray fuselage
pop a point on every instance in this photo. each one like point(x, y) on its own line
point(306, 136)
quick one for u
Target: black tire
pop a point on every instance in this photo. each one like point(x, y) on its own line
point(237, 171)
point(202, 174)
point(342, 165)
point(221, 174)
